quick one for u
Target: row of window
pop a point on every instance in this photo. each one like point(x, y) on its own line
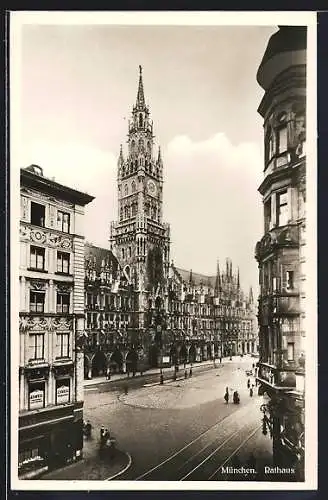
point(273, 283)
point(37, 260)
point(37, 302)
point(37, 393)
point(38, 217)
point(37, 346)
point(112, 301)
point(93, 319)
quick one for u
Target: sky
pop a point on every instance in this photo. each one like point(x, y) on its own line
point(77, 88)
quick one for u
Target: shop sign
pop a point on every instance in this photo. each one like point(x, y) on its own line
point(166, 359)
point(36, 399)
point(63, 394)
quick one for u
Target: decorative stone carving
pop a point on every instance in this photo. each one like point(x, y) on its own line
point(48, 324)
point(37, 236)
point(63, 324)
point(52, 216)
point(25, 323)
point(38, 285)
point(24, 207)
point(34, 324)
point(64, 288)
point(66, 243)
point(45, 237)
point(24, 232)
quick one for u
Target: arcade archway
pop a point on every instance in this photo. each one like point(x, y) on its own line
point(116, 362)
point(153, 356)
point(131, 361)
point(99, 364)
point(192, 354)
point(183, 355)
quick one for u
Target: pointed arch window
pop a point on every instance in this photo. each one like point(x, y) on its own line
point(133, 187)
point(140, 120)
point(133, 145)
point(126, 190)
point(149, 146)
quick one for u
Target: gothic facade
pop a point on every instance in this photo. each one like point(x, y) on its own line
point(141, 310)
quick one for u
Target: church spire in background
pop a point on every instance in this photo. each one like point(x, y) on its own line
point(140, 95)
point(218, 278)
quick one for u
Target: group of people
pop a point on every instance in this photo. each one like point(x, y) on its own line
point(235, 397)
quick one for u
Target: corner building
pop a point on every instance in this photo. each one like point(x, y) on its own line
point(281, 251)
point(51, 323)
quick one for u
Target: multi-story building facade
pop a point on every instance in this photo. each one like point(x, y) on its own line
point(141, 310)
point(281, 251)
point(51, 323)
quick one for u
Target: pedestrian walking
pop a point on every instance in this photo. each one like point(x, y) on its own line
point(102, 432)
point(248, 383)
point(236, 398)
point(126, 389)
point(190, 372)
point(251, 392)
point(226, 395)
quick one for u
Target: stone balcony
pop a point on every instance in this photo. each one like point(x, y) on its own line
point(277, 378)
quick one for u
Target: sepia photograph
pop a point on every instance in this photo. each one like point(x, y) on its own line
point(163, 250)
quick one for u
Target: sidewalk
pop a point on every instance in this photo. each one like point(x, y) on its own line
point(180, 374)
point(92, 466)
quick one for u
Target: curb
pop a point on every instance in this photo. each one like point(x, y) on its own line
point(123, 470)
point(95, 383)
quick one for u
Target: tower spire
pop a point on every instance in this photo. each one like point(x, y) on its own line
point(238, 279)
point(140, 94)
point(218, 278)
point(251, 297)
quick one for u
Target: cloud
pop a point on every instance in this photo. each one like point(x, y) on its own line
point(211, 200)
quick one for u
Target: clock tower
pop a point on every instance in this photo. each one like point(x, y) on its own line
point(140, 240)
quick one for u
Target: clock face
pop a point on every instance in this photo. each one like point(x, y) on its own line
point(151, 188)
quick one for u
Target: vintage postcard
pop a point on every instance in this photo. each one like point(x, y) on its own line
point(163, 250)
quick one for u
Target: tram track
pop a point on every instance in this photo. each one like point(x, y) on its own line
point(200, 456)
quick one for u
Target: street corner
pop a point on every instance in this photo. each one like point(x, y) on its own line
point(126, 462)
point(106, 468)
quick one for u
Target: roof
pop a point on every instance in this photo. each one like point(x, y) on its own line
point(100, 254)
point(287, 39)
point(197, 278)
point(32, 176)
